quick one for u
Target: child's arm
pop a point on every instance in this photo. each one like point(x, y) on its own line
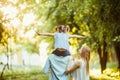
point(73, 68)
point(77, 36)
point(45, 34)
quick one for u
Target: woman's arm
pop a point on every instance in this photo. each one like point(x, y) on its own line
point(77, 36)
point(73, 68)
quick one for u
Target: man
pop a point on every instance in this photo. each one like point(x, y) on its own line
point(57, 66)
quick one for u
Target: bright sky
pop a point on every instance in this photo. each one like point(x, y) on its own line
point(28, 18)
point(10, 13)
point(13, 1)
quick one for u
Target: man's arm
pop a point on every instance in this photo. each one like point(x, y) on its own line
point(77, 36)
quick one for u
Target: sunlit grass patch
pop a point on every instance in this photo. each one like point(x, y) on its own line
point(112, 73)
point(108, 74)
point(101, 77)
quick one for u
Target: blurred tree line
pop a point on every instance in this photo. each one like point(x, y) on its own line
point(98, 20)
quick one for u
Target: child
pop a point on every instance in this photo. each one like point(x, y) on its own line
point(81, 66)
point(61, 40)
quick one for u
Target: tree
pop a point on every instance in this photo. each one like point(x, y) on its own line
point(98, 20)
point(93, 16)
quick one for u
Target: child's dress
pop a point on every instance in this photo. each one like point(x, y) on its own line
point(80, 73)
point(61, 42)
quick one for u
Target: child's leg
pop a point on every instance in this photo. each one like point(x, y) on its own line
point(67, 52)
point(59, 52)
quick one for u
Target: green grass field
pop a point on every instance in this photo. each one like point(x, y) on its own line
point(24, 74)
point(35, 73)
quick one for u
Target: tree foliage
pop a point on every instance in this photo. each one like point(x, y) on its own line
point(98, 20)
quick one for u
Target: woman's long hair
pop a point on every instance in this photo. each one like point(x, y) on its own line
point(85, 53)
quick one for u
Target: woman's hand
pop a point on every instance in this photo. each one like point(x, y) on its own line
point(67, 71)
point(73, 68)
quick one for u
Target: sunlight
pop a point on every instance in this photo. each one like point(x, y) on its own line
point(13, 1)
point(9, 11)
point(29, 34)
point(28, 19)
point(15, 22)
point(22, 6)
point(37, 1)
point(95, 72)
point(21, 33)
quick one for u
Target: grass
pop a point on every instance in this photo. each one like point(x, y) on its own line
point(29, 74)
point(108, 74)
point(35, 73)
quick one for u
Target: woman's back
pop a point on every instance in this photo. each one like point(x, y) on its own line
point(80, 73)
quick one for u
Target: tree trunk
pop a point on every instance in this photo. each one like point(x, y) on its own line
point(100, 56)
point(3, 70)
point(103, 56)
point(7, 54)
point(117, 49)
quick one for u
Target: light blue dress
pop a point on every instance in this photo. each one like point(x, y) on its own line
point(61, 40)
point(57, 66)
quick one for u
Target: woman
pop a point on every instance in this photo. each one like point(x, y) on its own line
point(80, 67)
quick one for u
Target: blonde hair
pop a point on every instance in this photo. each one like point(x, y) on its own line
point(85, 53)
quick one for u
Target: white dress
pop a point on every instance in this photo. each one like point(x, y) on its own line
point(80, 73)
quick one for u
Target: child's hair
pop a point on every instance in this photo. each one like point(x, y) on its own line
point(85, 53)
point(67, 28)
point(62, 28)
